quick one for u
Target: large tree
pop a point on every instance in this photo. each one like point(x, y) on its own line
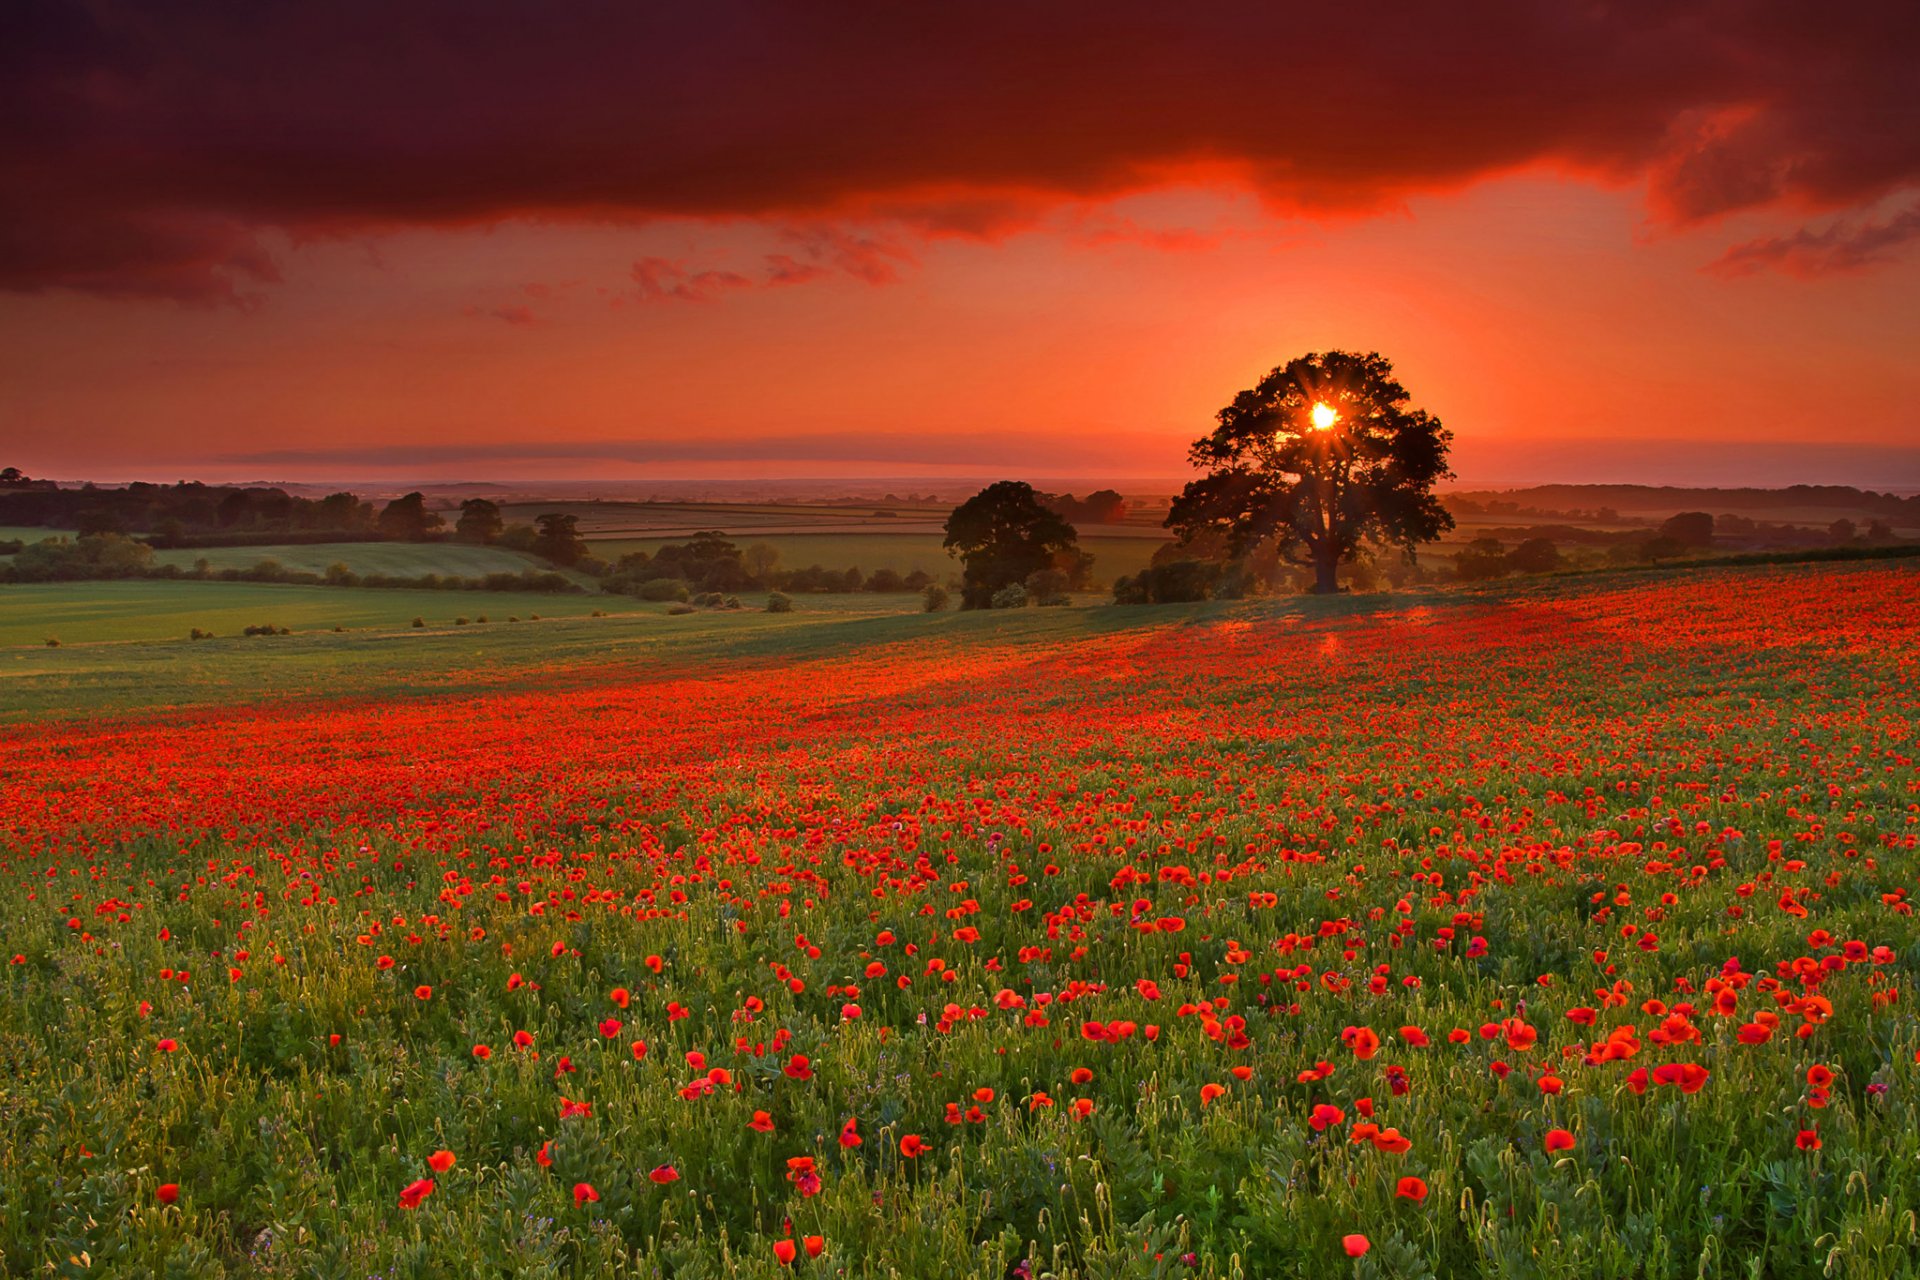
point(1321, 456)
point(1003, 534)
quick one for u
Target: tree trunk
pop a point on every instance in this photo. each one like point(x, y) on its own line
point(1326, 567)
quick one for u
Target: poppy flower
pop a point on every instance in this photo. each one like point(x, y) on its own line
point(761, 1122)
point(1324, 1116)
point(167, 1192)
point(414, 1192)
point(481, 1052)
point(544, 1156)
point(1208, 1092)
point(1413, 1189)
point(440, 1161)
point(610, 1027)
point(583, 1193)
point(784, 1252)
point(639, 1049)
point(663, 1174)
point(620, 996)
point(815, 1245)
point(167, 1046)
point(1355, 1244)
point(1559, 1140)
point(913, 1146)
point(423, 992)
point(849, 1133)
point(1807, 1140)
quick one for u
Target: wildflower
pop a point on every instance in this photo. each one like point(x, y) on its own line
point(784, 1252)
point(661, 1175)
point(423, 992)
point(167, 1192)
point(913, 1146)
point(1410, 1188)
point(440, 1161)
point(761, 1122)
point(1807, 1140)
point(414, 1192)
point(583, 1193)
point(1355, 1245)
point(1559, 1140)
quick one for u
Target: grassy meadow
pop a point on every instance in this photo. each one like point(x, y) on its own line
point(1558, 928)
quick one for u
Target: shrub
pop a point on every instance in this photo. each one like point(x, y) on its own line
point(1171, 582)
point(1048, 587)
point(419, 622)
point(1011, 596)
point(934, 598)
point(265, 629)
point(198, 634)
point(779, 602)
point(53, 642)
point(658, 589)
point(460, 621)
point(675, 610)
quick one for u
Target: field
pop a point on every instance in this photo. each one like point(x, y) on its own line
point(1561, 929)
point(399, 559)
point(1114, 555)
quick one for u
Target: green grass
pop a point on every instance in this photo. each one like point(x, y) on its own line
point(153, 609)
point(30, 533)
point(399, 559)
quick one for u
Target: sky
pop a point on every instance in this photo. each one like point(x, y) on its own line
point(1662, 242)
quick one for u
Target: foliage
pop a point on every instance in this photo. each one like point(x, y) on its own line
point(779, 602)
point(934, 598)
point(1002, 535)
point(1172, 581)
point(1318, 493)
point(479, 521)
point(408, 519)
point(557, 537)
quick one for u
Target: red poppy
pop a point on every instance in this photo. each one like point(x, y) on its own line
point(784, 1252)
point(423, 992)
point(1807, 1140)
point(167, 1046)
point(440, 1161)
point(1413, 1189)
point(414, 1192)
point(850, 1133)
point(1355, 1245)
point(167, 1192)
point(1559, 1140)
point(481, 1052)
point(663, 1174)
point(1325, 1115)
point(583, 1192)
point(1208, 1092)
point(761, 1122)
point(913, 1146)
point(610, 1027)
point(815, 1245)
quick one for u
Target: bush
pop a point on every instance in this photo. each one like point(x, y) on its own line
point(934, 598)
point(1048, 587)
point(659, 589)
point(419, 622)
point(1172, 582)
point(675, 610)
point(460, 621)
point(1011, 596)
point(198, 634)
point(779, 602)
point(265, 629)
point(53, 642)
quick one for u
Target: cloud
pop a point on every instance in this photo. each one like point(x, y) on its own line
point(1839, 248)
point(663, 280)
point(160, 150)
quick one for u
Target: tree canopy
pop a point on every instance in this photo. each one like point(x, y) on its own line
point(1322, 455)
point(479, 521)
point(407, 517)
point(1002, 535)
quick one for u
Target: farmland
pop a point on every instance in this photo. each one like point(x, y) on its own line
point(1561, 928)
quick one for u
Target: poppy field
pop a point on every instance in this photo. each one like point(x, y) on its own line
point(1561, 929)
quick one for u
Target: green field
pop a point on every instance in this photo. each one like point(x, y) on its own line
point(1113, 556)
point(398, 559)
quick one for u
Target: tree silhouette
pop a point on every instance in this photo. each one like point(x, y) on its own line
point(406, 517)
point(559, 539)
point(1322, 455)
point(1002, 534)
point(479, 521)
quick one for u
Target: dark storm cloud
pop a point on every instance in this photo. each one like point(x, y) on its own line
point(145, 148)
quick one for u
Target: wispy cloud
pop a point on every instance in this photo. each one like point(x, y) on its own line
point(1836, 249)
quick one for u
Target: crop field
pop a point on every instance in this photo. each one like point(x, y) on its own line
point(397, 559)
point(166, 609)
point(1562, 928)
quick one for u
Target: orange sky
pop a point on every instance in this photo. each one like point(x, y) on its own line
point(1578, 298)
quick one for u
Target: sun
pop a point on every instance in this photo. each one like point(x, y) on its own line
point(1324, 416)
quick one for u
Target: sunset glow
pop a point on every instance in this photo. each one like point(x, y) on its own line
point(1324, 416)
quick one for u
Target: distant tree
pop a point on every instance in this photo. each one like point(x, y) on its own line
point(1843, 530)
point(340, 511)
point(1879, 531)
point(1170, 581)
point(1535, 555)
point(1002, 534)
point(708, 560)
point(1663, 547)
point(407, 519)
point(557, 537)
point(1320, 456)
point(13, 477)
point(97, 520)
point(933, 597)
point(479, 521)
point(1481, 559)
point(1048, 587)
point(760, 559)
point(1689, 529)
point(886, 580)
